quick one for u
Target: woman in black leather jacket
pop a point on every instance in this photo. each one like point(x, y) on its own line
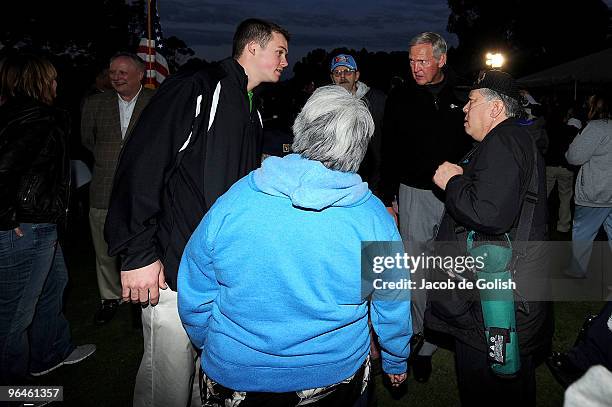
point(34, 184)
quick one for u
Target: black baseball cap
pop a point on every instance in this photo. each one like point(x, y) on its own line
point(499, 81)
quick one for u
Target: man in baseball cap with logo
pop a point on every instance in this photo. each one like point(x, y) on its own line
point(344, 72)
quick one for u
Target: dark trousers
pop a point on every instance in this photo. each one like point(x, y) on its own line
point(479, 386)
point(34, 334)
point(596, 346)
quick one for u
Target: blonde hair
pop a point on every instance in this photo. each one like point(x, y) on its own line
point(27, 75)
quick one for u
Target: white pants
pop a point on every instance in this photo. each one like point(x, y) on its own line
point(166, 374)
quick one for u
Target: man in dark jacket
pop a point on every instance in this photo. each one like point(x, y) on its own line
point(344, 72)
point(199, 134)
point(485, 194)
point(423, 127)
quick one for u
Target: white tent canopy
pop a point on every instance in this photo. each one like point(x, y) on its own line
point(591, 69)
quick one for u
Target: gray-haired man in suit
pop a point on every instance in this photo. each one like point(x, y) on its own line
point(107, 120)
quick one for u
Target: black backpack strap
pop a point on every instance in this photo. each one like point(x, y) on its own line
point(530, 201)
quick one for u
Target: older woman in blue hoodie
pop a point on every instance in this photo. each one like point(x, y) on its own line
point(270, 287)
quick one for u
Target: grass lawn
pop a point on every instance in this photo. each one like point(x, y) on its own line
point(107, 378)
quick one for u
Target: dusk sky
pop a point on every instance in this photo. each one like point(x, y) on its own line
point(208, 26)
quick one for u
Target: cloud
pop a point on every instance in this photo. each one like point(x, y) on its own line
point(385, 25)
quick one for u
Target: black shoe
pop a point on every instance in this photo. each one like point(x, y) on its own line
point(416, 343)
point(106, 312)
point(588, 321)
point(421, 368)
point(420, 365)
point(563, 370)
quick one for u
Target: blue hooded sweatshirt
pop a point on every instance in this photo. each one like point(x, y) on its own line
point(269, 286)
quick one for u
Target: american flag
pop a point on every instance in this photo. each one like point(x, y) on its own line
point(151, 49)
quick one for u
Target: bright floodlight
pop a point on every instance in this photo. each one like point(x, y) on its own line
point(495, 60)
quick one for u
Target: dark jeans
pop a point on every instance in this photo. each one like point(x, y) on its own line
point(479, 386)
point(34, 334)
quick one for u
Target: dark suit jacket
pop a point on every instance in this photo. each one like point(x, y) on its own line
point(101, 134)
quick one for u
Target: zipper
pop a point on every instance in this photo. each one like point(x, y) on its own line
point(27, 194)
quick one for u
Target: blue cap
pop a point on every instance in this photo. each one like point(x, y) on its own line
point(343, 60)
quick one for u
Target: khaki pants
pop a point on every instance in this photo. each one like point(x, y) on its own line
point(565, 184)
point(107, 267)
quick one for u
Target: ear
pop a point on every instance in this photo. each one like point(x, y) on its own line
point(141, 75)
point(251, 47)
point(497, 109)
point(442, 61)
point(356, 76)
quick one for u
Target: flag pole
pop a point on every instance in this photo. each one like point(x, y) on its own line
point(149, 83)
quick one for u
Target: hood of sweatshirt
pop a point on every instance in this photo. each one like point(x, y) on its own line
point(362, 89)
point(309, 184)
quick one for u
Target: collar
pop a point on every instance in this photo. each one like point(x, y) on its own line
point(235, 73)
point(122, 100)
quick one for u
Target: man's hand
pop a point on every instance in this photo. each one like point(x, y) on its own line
point(445, 172)
point(142, 285)
point(397, 379)
point(18, 231)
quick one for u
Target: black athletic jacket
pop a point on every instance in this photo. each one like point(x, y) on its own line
point(421, 130)
point(173, 167)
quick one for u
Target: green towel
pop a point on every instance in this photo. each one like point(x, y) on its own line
point(497, 306)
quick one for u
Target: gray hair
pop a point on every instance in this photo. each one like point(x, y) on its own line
point(512, 106)
point(437, 43)
point(334, 127)
point(136, 60)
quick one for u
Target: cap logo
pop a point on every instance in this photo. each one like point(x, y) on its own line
point(481, 77)
point(340, 58)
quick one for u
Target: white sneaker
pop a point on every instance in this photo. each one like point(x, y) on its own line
point(79, 353)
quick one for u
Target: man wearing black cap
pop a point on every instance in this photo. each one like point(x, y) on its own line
point(486, 193)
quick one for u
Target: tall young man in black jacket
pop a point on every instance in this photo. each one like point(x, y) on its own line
point(423, 127)
point(200, 133)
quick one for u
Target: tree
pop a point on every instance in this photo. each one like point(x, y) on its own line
point(54, 28)
point(532, 34)
point(376, 68)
